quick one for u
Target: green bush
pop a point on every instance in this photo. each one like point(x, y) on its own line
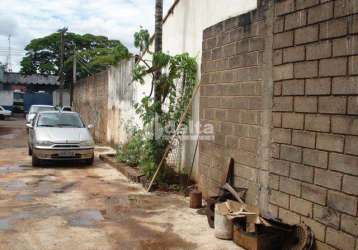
point(130, 153)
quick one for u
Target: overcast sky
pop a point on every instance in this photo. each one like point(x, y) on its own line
point(28, 19)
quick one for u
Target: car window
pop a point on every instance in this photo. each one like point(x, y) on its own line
point(70, 120)
point(36, 109)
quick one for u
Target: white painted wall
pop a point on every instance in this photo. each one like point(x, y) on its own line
point(65, 98)
point(6, 97)
point(183, 32)
point(122, 95)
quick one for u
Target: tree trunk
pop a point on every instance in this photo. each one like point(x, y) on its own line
point(158, 45)
point(157, 93)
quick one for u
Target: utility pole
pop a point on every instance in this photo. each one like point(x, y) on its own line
point(62, 48)
point(8, 63)
point(74, 78)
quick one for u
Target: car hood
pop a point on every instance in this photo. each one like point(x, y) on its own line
point(62, 135)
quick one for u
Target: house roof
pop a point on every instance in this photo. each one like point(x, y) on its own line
point(18, 78)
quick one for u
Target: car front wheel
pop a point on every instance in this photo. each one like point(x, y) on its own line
point(35, 161)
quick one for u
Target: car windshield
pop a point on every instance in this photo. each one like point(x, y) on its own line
point(70, 120)
point(36, 109)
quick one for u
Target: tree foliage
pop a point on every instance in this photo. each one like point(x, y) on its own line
point(95, 54)
point(174, 87)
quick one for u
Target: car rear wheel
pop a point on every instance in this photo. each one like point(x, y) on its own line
point(35, 161)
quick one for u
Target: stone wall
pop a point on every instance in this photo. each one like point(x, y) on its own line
point(315, 158)
point(309, 49)
point(91, 101)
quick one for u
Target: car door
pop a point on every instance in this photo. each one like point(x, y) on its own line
point(31, 131)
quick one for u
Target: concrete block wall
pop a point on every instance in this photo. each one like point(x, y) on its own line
point(311, 78)
point(314, 170)
point(232, 100)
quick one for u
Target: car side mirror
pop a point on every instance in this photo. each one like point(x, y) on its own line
point(89, 126)
point(29, 125)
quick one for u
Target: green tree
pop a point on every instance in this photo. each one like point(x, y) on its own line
point(95, 53)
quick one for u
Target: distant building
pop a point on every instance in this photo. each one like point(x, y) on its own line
point(18, 92)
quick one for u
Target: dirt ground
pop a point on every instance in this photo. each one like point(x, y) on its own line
point(88, 207)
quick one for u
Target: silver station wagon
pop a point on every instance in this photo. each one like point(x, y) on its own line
point(55, 135)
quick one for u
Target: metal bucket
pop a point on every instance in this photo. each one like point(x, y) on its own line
point(223, 226)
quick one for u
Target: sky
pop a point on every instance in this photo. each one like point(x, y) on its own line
point(25, 20)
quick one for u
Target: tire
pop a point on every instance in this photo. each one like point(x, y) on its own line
point(36, 162)
point(30, 151)
point(89, 161)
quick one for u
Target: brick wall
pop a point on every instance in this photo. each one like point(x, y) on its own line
point(91, 101)
point(311, 57)
point(232, 100)
point(314, 170)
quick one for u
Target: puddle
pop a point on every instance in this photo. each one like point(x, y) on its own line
point(10, 169)
point(8, 222)
point(85, 218)
point(24, 197)
point(13, 185)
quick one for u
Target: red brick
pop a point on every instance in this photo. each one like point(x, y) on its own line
point(306, 69)
point(333, 67)
point(305, 104)
point(276, 120)
point(319, 50)
point(306, 35)
point(295, 20)
point(333, 28)
point(277, 88)
point(320, 13)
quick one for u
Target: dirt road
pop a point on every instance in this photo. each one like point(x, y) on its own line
point(88, 208)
